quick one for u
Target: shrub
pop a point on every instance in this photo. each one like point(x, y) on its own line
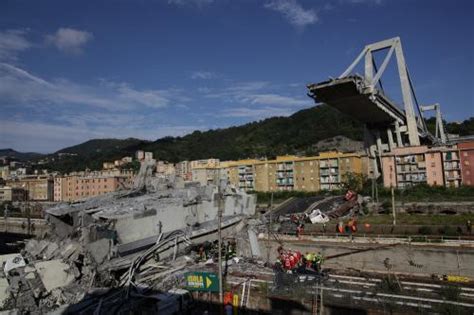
point(425, 230)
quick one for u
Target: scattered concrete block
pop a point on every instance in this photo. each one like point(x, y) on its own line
point(99, 250)
point(54, 274)
point(4, 292)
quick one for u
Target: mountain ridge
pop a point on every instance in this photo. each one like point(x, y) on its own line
point(299, 133)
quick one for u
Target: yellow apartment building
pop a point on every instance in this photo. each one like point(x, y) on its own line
point(39, 188)
point(323, 172)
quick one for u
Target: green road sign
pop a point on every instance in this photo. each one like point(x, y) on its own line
point(202, 281)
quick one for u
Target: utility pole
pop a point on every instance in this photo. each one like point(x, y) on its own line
point(5, 214)
point(393, 206)
point(28, 210)
point(269, 228)
point(220, 209)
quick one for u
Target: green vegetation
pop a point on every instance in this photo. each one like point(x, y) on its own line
point(419, 193)
point(425, 193)
point(21, 156)
point(280, 196)
point(134, 165)
point(93, 153)
point(355, 182)
point(441, 220)
point(266, 138)
point(464, 128)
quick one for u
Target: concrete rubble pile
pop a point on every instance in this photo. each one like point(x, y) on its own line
point(120, 245)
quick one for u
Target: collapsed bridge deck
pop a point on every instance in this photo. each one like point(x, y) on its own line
point(351, 95)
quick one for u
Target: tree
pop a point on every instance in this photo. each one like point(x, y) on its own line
point(354, 181)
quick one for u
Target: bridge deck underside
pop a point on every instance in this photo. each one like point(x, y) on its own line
point(346, 94)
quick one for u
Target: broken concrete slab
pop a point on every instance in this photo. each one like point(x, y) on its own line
point(54, 274)
point(71, 251)
point(99, 250)
point(4, 292)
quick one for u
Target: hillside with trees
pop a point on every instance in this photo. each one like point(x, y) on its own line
point(296, 134)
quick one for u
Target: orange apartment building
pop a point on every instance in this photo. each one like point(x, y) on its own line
point(466, 153)
point(76, 187)
point(449, 166)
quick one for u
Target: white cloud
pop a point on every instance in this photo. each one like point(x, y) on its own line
point(293, 12)
point(20, 86)
point(256, 92)
point(12, 42)
point(205, 75)
point(256, 113)
point(69, 40)
point(275, 99)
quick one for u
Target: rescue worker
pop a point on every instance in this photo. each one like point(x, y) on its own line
point(309, 260)
point(313, 262)
point(228, 298)
point(340, 227)
point(202, 253)
point(318, 262)
point(278, 265)
point(287, 263)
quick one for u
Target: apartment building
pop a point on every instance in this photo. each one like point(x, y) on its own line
point(76, 187)
point(322, 172)
point(205, 163)
point(306, 174)
point(5, 172)
point(39, 188)
point(108, 165)
point(284, 172)
point(140, 155)
point(452, 166)
point(183, 170)
point(148, 156)
point(448, 165)
point(239, 173)
point(9, 194)
point(263, 178)
point(165, 169)
point(466, 154)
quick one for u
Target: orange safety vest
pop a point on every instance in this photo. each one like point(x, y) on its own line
point(228, 297)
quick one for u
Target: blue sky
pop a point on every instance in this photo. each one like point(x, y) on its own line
point(75, 70)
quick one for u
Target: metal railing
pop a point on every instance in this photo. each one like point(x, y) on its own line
point(375, 236)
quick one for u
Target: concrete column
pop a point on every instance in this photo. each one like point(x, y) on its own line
point(369, 67)
point(407, 96)
point(391, 144)
point(398, 134)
